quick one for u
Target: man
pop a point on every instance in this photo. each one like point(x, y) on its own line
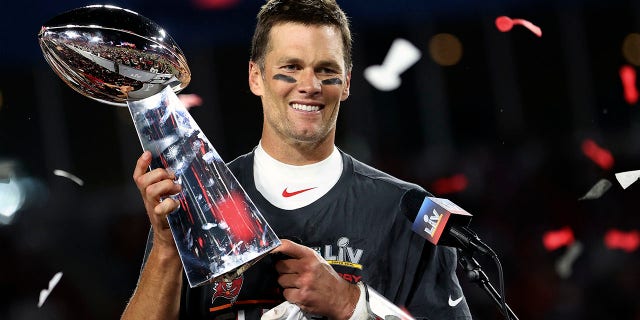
point(344, 217)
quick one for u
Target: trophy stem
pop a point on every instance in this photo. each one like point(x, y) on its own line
point(217, 229)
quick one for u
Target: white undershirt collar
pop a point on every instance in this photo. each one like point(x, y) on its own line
point(291, 187)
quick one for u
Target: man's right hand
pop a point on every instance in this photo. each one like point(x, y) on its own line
point(157, 295)
point(155, 187)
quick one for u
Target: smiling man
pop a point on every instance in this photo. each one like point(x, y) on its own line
point(345, 218)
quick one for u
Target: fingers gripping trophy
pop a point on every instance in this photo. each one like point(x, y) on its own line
point(119, 57)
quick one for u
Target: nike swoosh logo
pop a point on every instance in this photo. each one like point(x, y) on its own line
point(453, 303)
point(287, 194)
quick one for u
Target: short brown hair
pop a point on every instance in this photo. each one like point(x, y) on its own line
point(307, 12)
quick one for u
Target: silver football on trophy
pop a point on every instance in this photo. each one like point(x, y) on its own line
point(113, 55)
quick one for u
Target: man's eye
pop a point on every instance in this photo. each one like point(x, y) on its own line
point(326, 71)
point(289, 67)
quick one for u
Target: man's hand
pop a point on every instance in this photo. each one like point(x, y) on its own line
point(155, 187)
point(312, 284)
point(157, 295)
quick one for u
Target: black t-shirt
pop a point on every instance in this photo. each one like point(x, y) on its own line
point(360, 229)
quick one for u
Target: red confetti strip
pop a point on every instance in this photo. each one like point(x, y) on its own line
point(553, 240)
point(190, 100)
point(602, 157)
point(627, 241)
point(628, 77)
point(449, 185)
point(504, 24)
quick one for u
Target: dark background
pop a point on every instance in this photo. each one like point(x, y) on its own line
point(510, 117)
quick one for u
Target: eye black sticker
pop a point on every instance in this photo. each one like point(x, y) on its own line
point(289, 79)
point(284, 78)
point(332, 81)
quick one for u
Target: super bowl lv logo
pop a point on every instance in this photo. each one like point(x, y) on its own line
point(227, 289)
point(341, 254)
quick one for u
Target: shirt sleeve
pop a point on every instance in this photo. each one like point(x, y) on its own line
point(437, 293)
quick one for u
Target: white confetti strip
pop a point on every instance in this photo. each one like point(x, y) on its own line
point(564, 265)
point(52, 284)
point(386, 77)
point(597, 190)
point(627, 178)
point(62, 173)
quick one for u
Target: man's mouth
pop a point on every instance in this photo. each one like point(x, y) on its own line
point(305, 107)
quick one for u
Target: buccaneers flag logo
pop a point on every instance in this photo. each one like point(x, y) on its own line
point(227, 289)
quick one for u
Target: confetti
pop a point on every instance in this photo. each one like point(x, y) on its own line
point(564, 265)
point(62, 173)
point(555, 239)
point(602, 157)
point(627, 178)
point(627, 241)
point(628, 78)
point(45, 292)
point(449, 185)
point(386, 77)
point(504, 24)
point(599, 189)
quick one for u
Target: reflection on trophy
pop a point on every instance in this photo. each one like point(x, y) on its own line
point(118, 57)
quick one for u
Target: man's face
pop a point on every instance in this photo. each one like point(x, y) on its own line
point(302, 84)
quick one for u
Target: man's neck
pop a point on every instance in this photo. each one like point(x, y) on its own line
point(298, 153)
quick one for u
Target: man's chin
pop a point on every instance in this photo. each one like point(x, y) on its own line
point(309, 137)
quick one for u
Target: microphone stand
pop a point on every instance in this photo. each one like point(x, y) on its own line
point(475, 274)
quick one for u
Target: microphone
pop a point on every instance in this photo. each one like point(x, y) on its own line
point(441, 222)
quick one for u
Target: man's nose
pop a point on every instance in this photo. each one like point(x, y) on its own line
point(309, 82)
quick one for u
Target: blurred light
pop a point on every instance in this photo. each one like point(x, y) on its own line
point(445, 49)
point(598, 190)
point(627, 178)
point(553, 240)
point(215, 4)
point(17, 192)
point(449, 185)
point(11, 200)
point(628, 78)
point(631, 48)
point(228, 211)
point(627, 241)
point(600, 156)
point(504, 24)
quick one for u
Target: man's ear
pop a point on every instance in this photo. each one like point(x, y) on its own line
point(346, 90)
point(255, 79)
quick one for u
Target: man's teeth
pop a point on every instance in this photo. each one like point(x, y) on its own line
point(305, 107)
